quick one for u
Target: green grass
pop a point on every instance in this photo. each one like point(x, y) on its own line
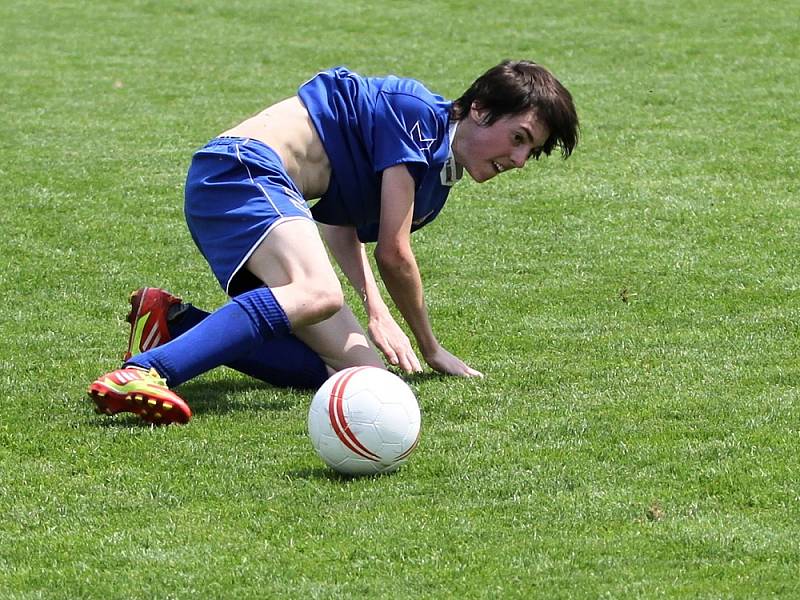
point(635, 310)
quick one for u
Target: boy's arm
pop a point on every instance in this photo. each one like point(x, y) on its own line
point(383, 330)
point(400, 273)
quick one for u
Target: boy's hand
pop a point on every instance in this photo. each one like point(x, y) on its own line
point(390, 339)
point(441, 360)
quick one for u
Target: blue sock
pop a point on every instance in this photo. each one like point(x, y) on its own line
point(282, 362)
point(228, 334)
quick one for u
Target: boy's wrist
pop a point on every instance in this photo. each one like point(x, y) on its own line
point(428, 347)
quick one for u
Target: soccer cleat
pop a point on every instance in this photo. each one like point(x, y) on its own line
point(148, 319)
point(139, 391)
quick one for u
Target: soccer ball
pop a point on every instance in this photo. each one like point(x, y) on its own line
point(364, 420)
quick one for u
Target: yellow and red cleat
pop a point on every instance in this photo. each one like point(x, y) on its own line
point(139, 391)
point(148, 318)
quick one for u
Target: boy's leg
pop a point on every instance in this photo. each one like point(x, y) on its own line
point(157, 316)
point(303, 278)
point(142, 385)
point(339, 340)
point(304, 359)
point(302, 289)
point(231, 332)
point(293, 262)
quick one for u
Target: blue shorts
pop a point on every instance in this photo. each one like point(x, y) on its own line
point(237, 190)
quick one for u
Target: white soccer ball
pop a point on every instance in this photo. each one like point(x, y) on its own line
point(364, 420)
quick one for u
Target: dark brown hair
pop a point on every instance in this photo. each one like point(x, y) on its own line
point(517, 86)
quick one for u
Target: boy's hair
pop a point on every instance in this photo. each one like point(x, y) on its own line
point(517, 86)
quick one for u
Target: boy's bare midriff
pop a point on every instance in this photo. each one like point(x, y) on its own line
point(287, 128)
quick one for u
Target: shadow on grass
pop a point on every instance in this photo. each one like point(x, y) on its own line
point(324, 473)
point(122, 420)
point(250, 395)
point(318, 474)
point(224, 397)
point(415, 378)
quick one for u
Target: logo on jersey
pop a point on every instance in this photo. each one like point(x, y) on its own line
point(421, 142)
point(297, 200)
point(422, 219)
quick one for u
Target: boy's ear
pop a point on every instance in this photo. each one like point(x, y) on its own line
point(477, 113)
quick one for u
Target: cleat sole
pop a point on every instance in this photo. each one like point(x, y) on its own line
point(159, 407)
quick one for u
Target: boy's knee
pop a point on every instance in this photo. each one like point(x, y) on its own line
point(320, 302)
point(329, 302)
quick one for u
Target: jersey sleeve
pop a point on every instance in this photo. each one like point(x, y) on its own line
point(405, 129)
point(369, 233)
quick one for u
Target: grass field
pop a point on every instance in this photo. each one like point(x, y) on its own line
point(635, 310)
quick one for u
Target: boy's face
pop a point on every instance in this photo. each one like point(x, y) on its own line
point(485, 151)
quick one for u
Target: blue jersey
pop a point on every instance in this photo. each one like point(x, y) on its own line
point(370, 124)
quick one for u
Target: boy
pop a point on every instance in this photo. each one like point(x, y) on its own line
point(381, 155)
